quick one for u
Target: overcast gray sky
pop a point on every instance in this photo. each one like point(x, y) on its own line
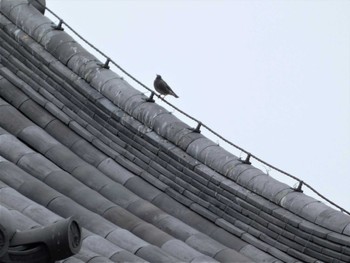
point(271, 76)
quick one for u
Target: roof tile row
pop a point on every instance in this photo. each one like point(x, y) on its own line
point(205, 180)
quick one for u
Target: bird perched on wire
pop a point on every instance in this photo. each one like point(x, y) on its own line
point(162, 87)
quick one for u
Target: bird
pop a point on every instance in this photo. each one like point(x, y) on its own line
point(162, 87)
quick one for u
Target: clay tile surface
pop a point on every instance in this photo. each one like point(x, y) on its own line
point(78, 140)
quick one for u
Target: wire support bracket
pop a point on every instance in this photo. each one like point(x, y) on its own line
point(106, 64)
point(300, 185)
point(150, 98)
point(59, 26)
point(247, 159)
point(198, 128)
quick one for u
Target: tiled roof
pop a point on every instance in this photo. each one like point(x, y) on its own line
point(77, 140)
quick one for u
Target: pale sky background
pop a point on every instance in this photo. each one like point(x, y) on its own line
point(270, 76)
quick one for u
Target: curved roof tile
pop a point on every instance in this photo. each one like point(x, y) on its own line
point(78, 140)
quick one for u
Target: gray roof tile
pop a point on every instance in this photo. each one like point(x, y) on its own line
point(8, 6)
point(198, 145)
point(211, 248)
point(132, 164)
point(187, 139)
point(11, 94)
point(333, 220)
point(154, 254)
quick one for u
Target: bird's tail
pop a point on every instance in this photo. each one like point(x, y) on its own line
point(174, 94)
